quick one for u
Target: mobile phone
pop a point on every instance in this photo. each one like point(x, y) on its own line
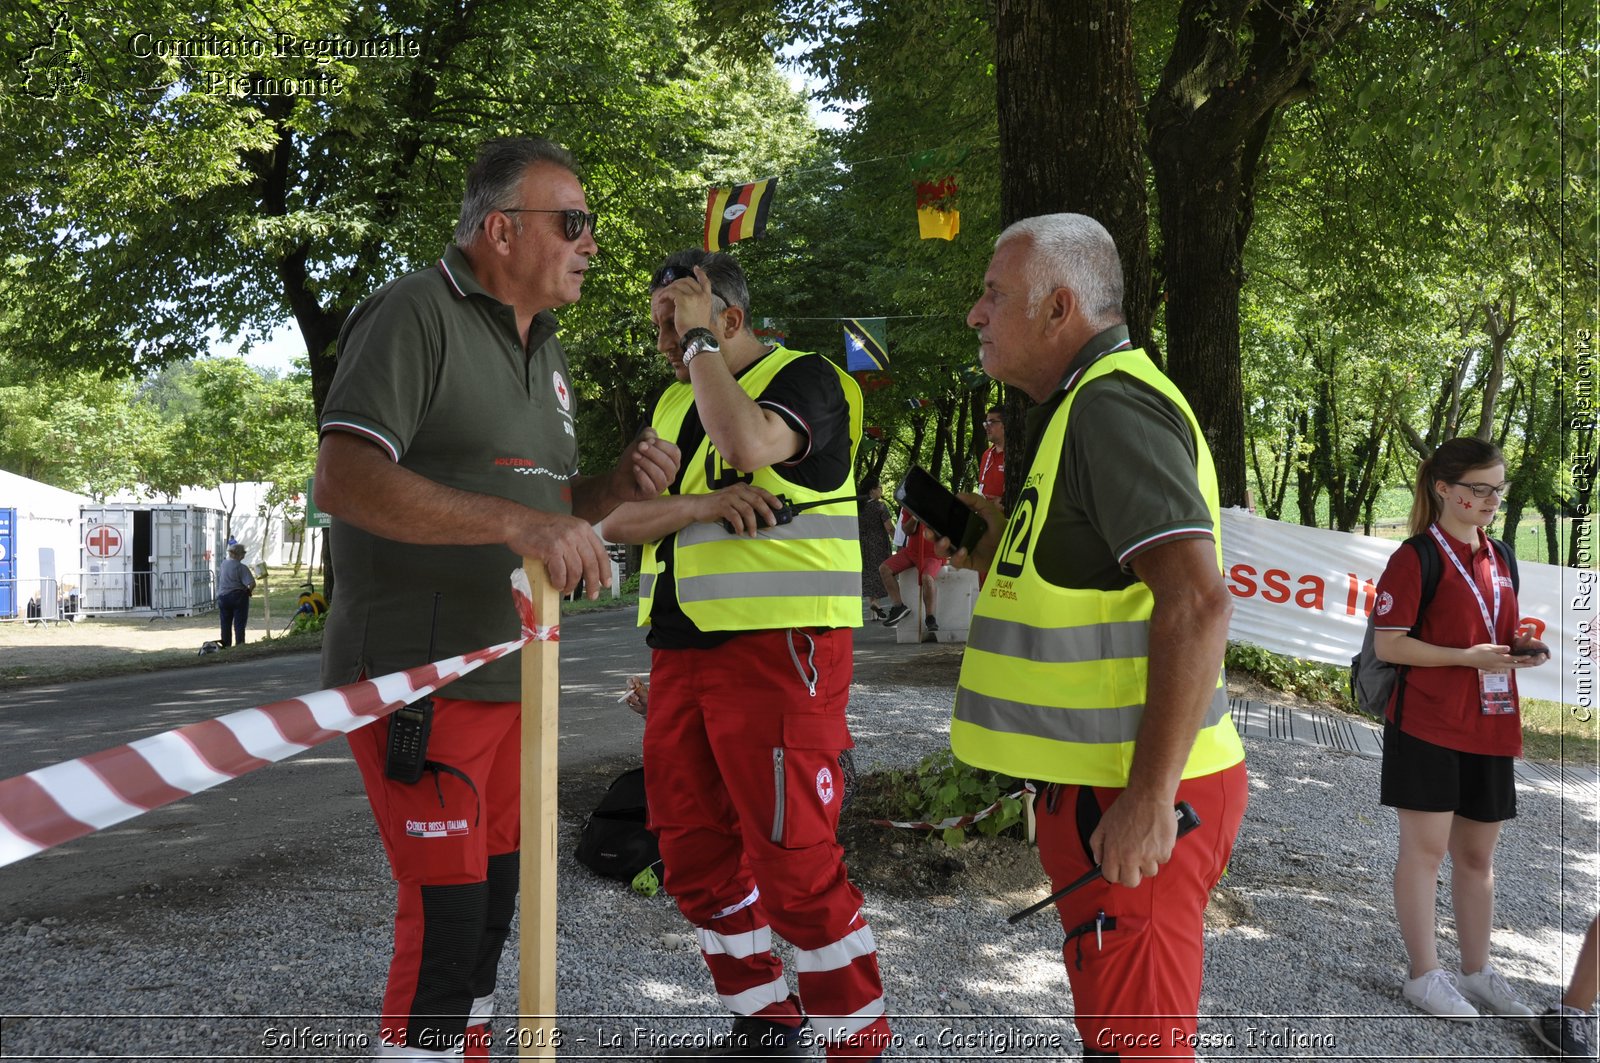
point(934, 505)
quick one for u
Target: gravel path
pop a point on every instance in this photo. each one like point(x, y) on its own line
point(287, 954)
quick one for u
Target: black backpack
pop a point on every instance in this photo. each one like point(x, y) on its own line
point(1372, 680)
point(615, 841)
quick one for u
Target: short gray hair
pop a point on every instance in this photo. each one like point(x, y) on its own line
point(1072, 251)
point(498, 170)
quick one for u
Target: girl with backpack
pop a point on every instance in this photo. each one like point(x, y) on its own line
point(1452, 727)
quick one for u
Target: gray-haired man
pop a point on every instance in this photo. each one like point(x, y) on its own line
point(449, 453)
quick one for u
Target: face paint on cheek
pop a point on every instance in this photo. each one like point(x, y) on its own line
point(1466, 505)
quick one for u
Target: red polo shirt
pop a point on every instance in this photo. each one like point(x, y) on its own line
point(1443, 704)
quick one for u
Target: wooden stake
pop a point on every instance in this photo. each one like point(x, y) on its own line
point(541, 692)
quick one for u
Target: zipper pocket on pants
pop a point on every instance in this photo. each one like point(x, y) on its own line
point(777, 795)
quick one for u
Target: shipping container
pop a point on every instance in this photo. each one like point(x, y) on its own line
point(150, 559)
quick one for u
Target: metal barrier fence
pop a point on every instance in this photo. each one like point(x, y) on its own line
point(79, 594)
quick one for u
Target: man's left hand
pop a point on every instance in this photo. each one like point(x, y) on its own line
point(647, 468)
point(1134, 838)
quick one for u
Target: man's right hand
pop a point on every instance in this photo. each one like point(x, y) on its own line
point(569, 548)
point(744, 506)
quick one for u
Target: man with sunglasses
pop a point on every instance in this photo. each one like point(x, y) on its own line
point(750, 604)
point(448, 454)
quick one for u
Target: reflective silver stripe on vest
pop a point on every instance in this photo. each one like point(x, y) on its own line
point(808, 584)
point(803, 526)
point(1060, 645)
point(1089, 726)
point(647, 582)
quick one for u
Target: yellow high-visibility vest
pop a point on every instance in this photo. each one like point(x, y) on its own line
point(1053, 680)
point(806, 573)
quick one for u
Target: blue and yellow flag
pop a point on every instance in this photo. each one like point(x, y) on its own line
point(866, 344)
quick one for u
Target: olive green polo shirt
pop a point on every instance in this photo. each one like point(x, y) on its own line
point(1125, 479)
point(431, 370)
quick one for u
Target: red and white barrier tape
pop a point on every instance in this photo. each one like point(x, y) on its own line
point(63, 802)
point(953, 822)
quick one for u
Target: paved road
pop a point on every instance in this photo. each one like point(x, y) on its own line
point(311, 800)
point(300, 806)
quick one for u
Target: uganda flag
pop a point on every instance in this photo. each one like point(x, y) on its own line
point(738, 213)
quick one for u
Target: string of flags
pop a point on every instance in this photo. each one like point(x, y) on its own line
point(740, 212)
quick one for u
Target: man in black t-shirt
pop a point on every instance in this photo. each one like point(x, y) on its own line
point(750, 584)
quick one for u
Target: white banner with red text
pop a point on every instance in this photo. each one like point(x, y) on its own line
point(1307, 592)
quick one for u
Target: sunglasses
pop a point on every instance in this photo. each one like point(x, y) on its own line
point(669, 274)
point(991, 420)
point(573, 222)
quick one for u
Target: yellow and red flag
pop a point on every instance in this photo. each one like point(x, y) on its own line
point(937, 216)
point(738, 213)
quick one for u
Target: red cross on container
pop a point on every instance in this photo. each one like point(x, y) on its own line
point(103, 541)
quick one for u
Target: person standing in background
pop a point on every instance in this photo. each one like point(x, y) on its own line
point(992, 466)
point(235, 585)
point(876, 527)
point(1452, 727)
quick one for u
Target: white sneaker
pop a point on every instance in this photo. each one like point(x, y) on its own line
point(1490, 991)
point(1435, 993)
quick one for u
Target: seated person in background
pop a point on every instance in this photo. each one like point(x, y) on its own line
point(918, 552)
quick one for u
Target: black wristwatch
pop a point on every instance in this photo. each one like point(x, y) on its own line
point(698, 341)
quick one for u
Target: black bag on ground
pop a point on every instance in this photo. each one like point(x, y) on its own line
point(615, 842)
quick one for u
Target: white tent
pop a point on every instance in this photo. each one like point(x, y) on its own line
point(44, 544)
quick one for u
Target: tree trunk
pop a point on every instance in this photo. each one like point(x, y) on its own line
point(1552, 530)
point(1068, 105)
point(1512, 518)
point(1234, 65)
point(941, 438)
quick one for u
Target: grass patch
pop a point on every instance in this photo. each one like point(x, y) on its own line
point(1556, 732)
point(600, 604)
point(157, 661)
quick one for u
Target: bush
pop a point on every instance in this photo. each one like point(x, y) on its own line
point(1307, 679)
point(307, 620)
point(941, 787)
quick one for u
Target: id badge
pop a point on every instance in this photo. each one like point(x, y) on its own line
point(1494, 689)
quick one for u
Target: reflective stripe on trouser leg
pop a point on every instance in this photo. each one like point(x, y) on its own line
point(789, 824)
point(737, 948)
point(843, 993)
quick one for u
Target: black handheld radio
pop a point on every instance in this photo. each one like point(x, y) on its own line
point(409, 726)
